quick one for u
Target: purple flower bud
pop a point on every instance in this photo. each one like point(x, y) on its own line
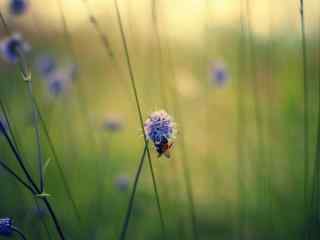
point(6, 227)
point(11, 46)
point(219, 74)
point(18, 7)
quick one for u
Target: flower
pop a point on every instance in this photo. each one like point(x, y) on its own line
point(122, 183)
point(159, 126)
point(57, 84)
point(18, 7)
point(219, 74)
point(11, 46)
point(6, 227)
point(59, 80)
point(46, 64)
point(113, 124)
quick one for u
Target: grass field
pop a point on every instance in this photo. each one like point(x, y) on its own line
point(239, 77)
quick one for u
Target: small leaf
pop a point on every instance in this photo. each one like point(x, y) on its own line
point(43, 195)
point(46, 165)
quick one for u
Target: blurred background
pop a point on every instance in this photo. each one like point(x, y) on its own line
point(232, 73)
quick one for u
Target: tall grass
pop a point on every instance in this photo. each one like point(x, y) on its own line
point(249, 186)
point(184, 155)
point(241, 132)
point(306, 112)
point(45, 129)
point(132, 196)
point(30, 185)
point(139, 110)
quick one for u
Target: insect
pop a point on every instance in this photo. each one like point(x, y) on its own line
point(163, 148)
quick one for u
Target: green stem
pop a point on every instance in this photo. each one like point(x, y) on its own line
point(135, 92)
point(132, 196)
point(20, 233)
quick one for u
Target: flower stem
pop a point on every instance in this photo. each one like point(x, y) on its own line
point(10, 171)
point(132, 196)
point(35, 121)
point(24, 70)
point(20, 233)
point(135, 92)
point(306, 101)
point(58, 164)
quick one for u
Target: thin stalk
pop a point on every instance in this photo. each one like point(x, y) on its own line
point(260, 162)
point(52, 148)
point(269, 121)
point(306, 104)
point(314, 206)
point(19, 159)
point(24, 70)
point(241, 131)
point(54, 218)
point(43, 221)
point(132, 196)
point(79, 91)
point(59, 167)
point(33, 184)
point(15, 175)
point(186, 171)
point(19, 232)
point(315, 197)
point(37, 134)
point(164, 100)
point(158, 42)
point(185, 163)
point(104, 40)
point(210, 107)
point(154, 18)
point(8, 122)
point(135, 92)
point(103, 37)
point(5, 113)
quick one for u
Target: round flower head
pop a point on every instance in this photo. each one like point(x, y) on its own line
point(159, 126)
point(10, 46)
point(219, 74)
point(58, 82)
point(56, 87)
point(45, 65)
point(18, 7)
point(6, 227)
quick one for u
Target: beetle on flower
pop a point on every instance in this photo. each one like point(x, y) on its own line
point(161, 130)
